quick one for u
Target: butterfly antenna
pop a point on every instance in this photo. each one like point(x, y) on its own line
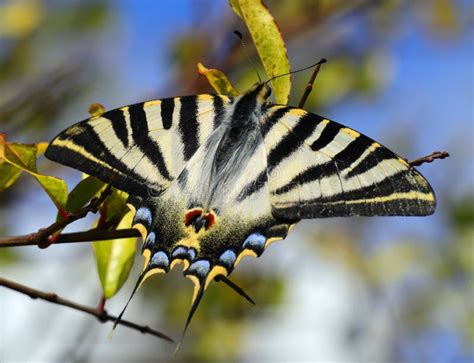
point(235, 287)
point(194, 306)
point(137, 285)
point(322, 61)
point(241, 37)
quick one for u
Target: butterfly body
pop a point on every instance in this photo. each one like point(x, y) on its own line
point(213, 179)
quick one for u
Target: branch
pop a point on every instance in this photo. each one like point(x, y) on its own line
point(96, 234)
point(44, 237)
point(429, 158)
point(309, 86)
point(99, 313)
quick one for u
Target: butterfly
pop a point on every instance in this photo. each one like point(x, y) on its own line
point(213, 178)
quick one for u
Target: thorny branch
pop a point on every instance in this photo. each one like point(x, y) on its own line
point(99, 312)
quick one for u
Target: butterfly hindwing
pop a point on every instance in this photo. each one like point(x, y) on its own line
point(319, 168)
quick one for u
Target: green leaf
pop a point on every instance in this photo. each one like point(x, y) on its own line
point(269, 43)
point(82, 193)
point(115, 207)
point(23, 156)
point(8, 175)
point(218, 81)
point(115, 259)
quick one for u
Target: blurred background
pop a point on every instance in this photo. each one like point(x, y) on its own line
point(337, 290)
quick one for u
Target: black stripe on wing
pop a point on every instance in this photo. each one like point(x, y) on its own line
point(167, 108)
point(341, 161)
point(327, 135)
point(218, 111)
point(145, 143)
point(253, 186)
point(373, 159)
point(272, 120)
point(116, 171)
point(119, 124)
point(293, 140)
point(188, 126)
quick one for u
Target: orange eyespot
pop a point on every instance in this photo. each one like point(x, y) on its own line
point(191, 216)
point(210, 218)
point(197, 218)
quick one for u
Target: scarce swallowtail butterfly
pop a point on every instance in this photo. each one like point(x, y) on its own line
point(213, 178)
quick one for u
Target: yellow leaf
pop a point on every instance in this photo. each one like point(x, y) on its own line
point(218, 81)
point(234, 4)
point(96, 109)
point(269, 43)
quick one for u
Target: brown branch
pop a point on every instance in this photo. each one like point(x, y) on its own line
point(96, 234)
point(99, 313)
point(429, 158)
point(43, 238)
point(309, 86)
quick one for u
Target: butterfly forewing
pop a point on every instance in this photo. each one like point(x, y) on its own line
point(319, 168)
point(143, 147)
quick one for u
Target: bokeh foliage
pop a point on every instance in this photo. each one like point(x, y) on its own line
point(37, 90)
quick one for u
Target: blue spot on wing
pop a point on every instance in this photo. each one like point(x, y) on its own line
point(255, 242)
point(184, 252)
point(149, 242)
point(143, 216)
point(160, 260)
point(227, 259)
point(199, 268)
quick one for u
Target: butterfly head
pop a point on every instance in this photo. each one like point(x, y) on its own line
point(261, 91)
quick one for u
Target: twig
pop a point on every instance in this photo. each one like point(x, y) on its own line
point(96, 234)
point(309, 86)
point(429, 158)
point(100, 314)
point(43, 237)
